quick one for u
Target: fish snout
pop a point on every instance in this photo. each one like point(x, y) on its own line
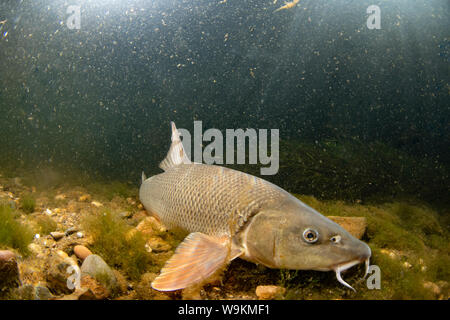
point(362, 254)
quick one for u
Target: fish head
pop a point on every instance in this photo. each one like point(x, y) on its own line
point(295, 236)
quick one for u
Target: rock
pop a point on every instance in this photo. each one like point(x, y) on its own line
point(78, 294)
point(35, 249)
point(60, 197)
point(96, 291)
point(58, 272)
point(158, 245)
point(150, 226)
point(270, 292)
point(356, 226)
point(42, 293)
point(81, 252)
point(391, 253)
point(433, 287)
point(84, 198)
point(407, 265)
point(138, 217)
point(70, 231)
point(57, 235)
point(25, 292)
point(96, 204)
point(80, 235)
point(9, 271)
point(62, 254)
point(17, 181)
point(125, 214)
point(6, 255)
point(95, 267)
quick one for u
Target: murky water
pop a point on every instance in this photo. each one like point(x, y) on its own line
point(94, 85)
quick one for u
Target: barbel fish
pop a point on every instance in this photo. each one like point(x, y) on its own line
point(288, 5)
point(230, 214)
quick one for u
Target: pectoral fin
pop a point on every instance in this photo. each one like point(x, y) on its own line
point(195, 259)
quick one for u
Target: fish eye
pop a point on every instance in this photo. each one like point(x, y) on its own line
point(335, 239)
point(310, 235)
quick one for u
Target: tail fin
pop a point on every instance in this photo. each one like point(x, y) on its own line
point(176, 154)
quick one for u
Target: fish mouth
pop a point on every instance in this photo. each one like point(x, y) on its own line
point(347, 265)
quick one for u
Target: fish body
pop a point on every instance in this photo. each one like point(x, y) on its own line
point(288, 5)
point(230, 214)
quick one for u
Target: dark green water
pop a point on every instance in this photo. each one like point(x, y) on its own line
point(361, 113)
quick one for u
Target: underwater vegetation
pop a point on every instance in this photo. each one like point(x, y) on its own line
point(45, 224)
point(13, 234)
point(116, 244)
point(28, 203)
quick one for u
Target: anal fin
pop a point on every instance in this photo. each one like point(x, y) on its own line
point(195, 259)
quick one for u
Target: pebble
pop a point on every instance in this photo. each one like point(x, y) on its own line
point(70, 231)
point(62, 254)
point(158, 245)
point(269, 292)
point(42, 293)
point(34, 248)
point(95, 267)
point(432, 286)
point(125, 214)
point(81, 252)
point(60, 197)
point(80, 234)
point(96, 204)
point(6, 255)
point(9, 271)
point(356, 226)
point(97, 291)
point(84, 198)
point(149, 226)
point(57, 235)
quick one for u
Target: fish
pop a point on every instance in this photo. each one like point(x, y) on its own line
point(288, 5)
point(229, 214)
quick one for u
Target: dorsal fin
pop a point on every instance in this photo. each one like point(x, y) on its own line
point(176, 154)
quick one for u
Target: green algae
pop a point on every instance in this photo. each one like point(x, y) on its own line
point(116, 244)
point(27, 203)
point(45, 224)
point(13, 234)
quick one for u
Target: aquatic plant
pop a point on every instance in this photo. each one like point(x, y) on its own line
point(115, 242)
point(45, 224)
point(27, 203)
point(13, 234)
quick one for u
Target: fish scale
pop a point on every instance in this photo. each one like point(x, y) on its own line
point(210, 199)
